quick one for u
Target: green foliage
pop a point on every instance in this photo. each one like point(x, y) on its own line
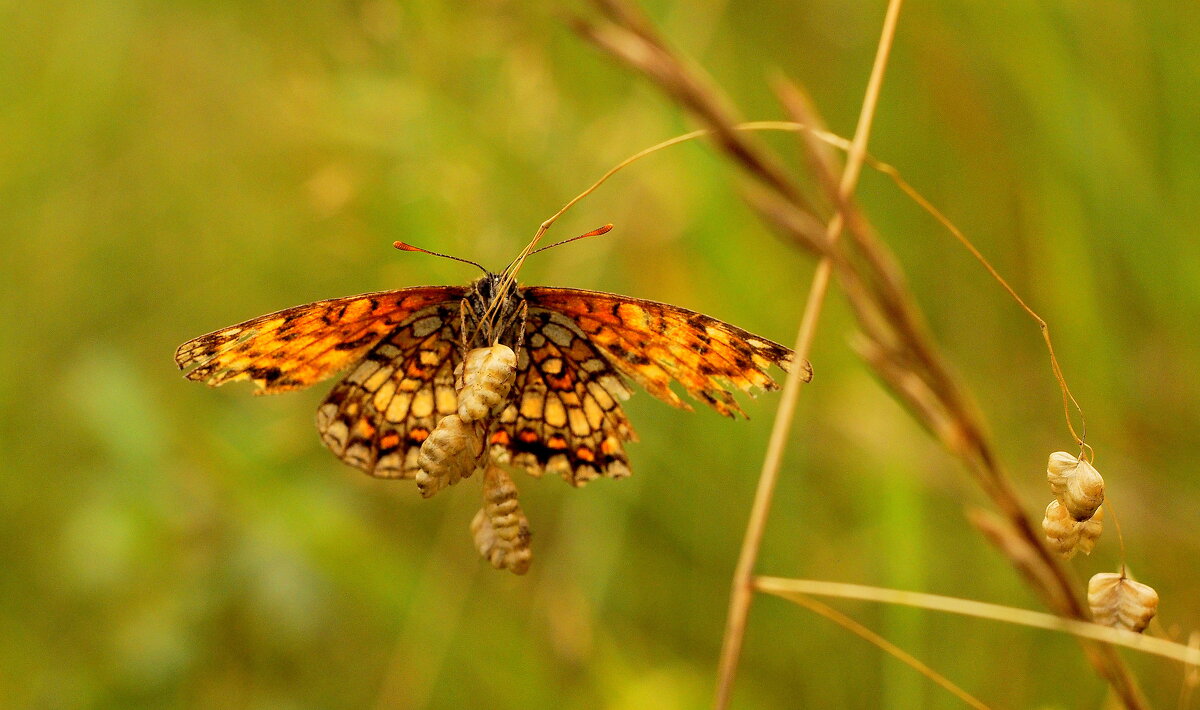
point(171, 168)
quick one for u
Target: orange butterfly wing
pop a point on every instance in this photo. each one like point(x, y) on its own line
point(654, 343)
point(565, 416)
point(300, 346)
point(376, 418)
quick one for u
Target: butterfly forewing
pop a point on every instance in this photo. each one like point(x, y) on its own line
point(301, 346)
point(654, 343)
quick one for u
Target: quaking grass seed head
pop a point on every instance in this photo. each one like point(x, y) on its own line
point(1067, 536)
point(1119, 602)
point(1076, 484)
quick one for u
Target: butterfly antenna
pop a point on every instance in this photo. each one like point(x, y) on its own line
point(404, 246)
point(594, 233)
point(510, 272)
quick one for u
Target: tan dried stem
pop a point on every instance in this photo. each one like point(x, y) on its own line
point(898, 347)
point(896, 343)
point(1191, 672)
point(792, 588)
point(1112, 513)
point(880, 642)
point(1068, 398)
point(629, 37)
point(741, 593)
point(804, 228)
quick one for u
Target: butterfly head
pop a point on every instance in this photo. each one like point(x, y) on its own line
point(495, 312)
point(493, 303)
point(490, 287)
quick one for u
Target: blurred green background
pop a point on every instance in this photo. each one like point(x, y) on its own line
point(169, 168)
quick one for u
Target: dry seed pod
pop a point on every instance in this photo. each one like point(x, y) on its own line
point(1077, 484)
point(501, 529)
point(451, 452)
point(1067, 535)
point(485, 380)
point(1120, 602)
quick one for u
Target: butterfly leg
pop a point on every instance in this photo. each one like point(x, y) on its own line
point(464, 308)
point(518, 318)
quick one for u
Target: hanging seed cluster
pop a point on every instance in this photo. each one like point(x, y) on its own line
point(1073, 522)
point(483, 380)
point(1076, 484)
point(1074, 518)
point(1068, 536)
point(1120, 602)
point(456, 449)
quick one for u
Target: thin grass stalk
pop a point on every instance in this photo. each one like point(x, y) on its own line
point(1191, 673)
point(900, 350)
point(878, 641)
point(792, 588)
point(741, 594)
point(904, 353)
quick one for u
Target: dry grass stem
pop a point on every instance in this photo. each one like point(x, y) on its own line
point(741, 592)
point(896, 341)
point(1035, 568)
point(1068, 398)
point(630, 37)
point(792, 588)
point(854, 627)
point(898, 347)
point(803, 227)
point(1191, 672)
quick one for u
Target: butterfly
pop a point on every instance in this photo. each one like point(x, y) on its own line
point(577, 352)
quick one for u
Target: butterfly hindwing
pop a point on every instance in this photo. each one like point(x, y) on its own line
point(654, 343)
point(300, 346)
point(376, 418)
point(565, 416)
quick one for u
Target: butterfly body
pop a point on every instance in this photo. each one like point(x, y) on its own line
point(575, 353)
point(493, 310)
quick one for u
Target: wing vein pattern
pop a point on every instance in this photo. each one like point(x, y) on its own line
point(276, 351)
point(654, 343)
